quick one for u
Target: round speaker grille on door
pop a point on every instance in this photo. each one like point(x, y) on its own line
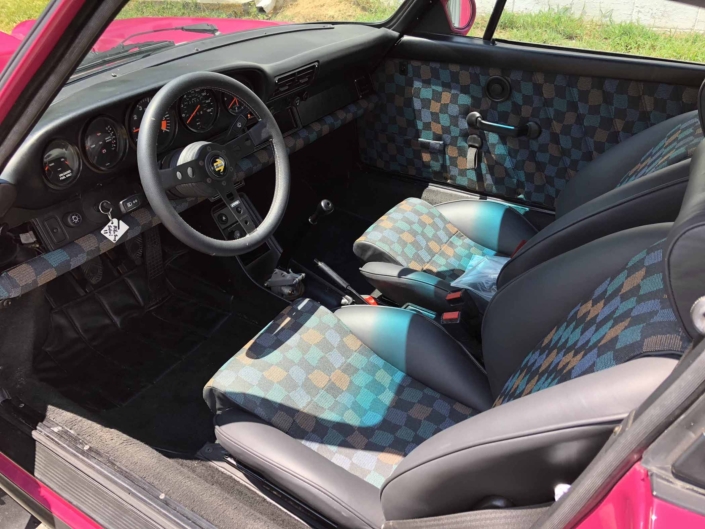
point(498, 88)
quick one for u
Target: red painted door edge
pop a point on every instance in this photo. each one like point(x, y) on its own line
point(58, 506)
point(37, 52)
point(631, 504)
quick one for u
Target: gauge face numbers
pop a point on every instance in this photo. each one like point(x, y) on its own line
point(61, 163)
point(199, 109)
point(167, 127)
point(233, 104)
point(105, 143)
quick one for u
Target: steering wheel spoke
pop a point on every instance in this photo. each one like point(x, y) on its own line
point(185, 173)
point(247, 143)
point(233, 201)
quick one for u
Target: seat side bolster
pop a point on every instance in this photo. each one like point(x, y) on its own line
point(327, 488)
point(490, 224)
point(522, 449)
point(649, 200)
point(525, 310)
point(405, 285)
point(422, 349)
point(369, 252)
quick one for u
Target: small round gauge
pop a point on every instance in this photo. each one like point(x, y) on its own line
point(233, 104)
point(61, 163)
point(167, 128)
point(105, 143)
point(199, 109)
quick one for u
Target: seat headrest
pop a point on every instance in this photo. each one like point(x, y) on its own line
point(685, 246)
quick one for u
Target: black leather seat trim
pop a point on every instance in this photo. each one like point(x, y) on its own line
point(534, 302)
point(388, 279)
point(362, 509)
point(455, 374)
point(521, 449)
point(539, 249)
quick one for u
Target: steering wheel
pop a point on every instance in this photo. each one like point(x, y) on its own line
point(209, 168)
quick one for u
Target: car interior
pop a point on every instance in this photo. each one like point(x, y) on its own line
point(232, 276)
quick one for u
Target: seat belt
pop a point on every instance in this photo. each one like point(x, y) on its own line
point(517, 518)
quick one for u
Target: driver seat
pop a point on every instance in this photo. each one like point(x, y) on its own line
point(369, 414)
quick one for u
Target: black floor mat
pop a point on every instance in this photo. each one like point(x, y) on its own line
point(142, 368)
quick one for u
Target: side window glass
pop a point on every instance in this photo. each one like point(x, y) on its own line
point(648, 28)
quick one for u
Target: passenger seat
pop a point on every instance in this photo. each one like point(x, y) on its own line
point(416, 250)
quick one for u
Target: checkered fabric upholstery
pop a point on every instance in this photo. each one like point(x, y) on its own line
point(628, 316)
point(310, 377)
point(677, 146)
point(43, 268)
point(306, 135)
point(580, 118)
point(418, 236)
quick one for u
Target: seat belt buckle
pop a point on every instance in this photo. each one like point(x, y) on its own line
point(449, 318)
point(455, 298)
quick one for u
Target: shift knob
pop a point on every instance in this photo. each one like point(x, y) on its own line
point(324, 207)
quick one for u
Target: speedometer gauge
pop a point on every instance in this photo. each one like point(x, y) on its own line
point(167, 127)
point(105, 143)
point(61, 163)
point(199, 109)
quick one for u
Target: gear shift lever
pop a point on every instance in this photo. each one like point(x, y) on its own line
point(324, 207)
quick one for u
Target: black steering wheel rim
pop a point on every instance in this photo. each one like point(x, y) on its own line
point(153, 178)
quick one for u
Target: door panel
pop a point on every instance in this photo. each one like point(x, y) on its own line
point(419, 128)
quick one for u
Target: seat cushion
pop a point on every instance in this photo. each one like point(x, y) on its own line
point(415, 235)
point(310, 377)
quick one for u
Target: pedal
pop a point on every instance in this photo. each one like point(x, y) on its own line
point(288, 285)
point(93, 270)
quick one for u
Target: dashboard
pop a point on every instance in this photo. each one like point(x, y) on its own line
point(103, 143)
point(83, 150)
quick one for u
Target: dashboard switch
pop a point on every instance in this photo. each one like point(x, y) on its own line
point(55, 230)
point(73, 219)
point(131, 203)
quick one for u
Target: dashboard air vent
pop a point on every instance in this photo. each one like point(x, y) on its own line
point(291, 81)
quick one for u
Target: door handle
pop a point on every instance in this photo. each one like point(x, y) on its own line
point(529, 129)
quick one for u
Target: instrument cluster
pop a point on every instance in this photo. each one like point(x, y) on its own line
point(104, 142)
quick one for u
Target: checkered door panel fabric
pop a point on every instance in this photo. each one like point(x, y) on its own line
point(580, 118)
point(677, 146)
point(310, 377)
point(628, 316)
point(418, 236)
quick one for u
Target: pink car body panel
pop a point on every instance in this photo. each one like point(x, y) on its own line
point(630, 504)
point(120, 30)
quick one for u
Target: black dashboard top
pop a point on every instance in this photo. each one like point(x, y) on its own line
point(93, 122)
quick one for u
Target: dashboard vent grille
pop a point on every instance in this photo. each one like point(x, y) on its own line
point(289, 82)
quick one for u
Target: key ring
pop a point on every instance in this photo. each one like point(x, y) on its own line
point(109, 208)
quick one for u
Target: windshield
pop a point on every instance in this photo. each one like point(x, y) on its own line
point(145, 27)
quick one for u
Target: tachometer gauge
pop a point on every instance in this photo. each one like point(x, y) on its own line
point(61, 163)
point(199, 109)
point(105, 143)
point(167, 128)
point(233, 104)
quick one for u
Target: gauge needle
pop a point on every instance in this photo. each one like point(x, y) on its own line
point(194, 113)
point(136, 130)
point(232, 103)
